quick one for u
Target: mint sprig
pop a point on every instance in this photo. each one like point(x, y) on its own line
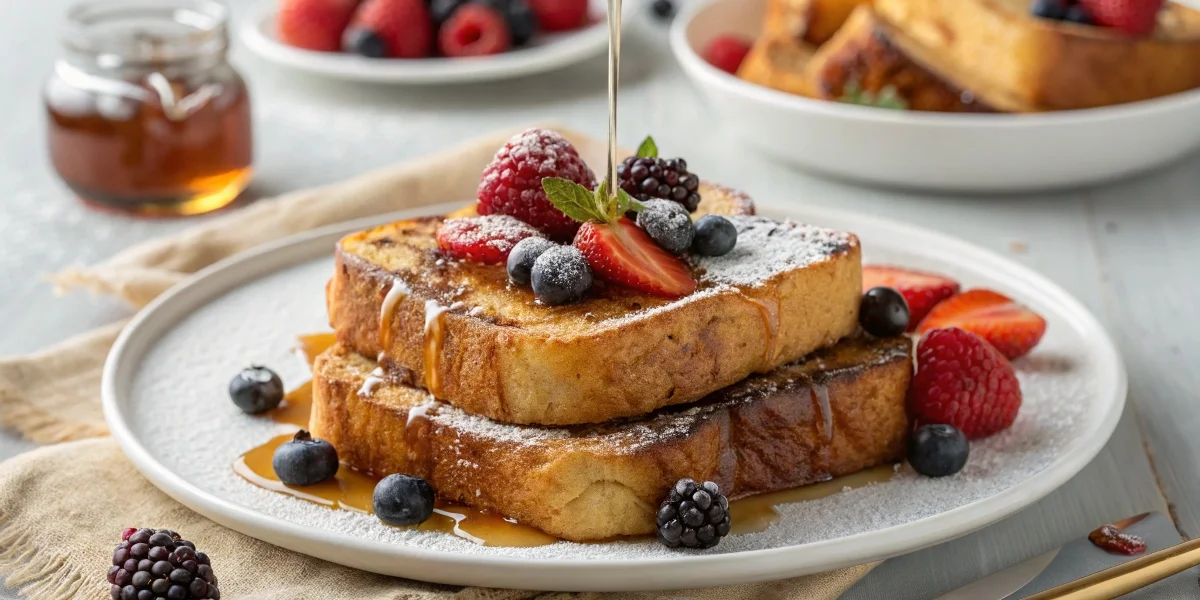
point(584, 205)
point(648, 149)
point(887, 97)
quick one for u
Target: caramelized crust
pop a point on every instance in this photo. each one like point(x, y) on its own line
point(778, 63)
point(617, 354)
point(587, 483)
point(866, 52)
point(1015, 61)
point(808, 21)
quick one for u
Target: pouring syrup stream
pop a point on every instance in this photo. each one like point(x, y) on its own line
point(614, 76)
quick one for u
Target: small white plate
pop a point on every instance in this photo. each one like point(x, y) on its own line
point(545, 52)
point(936, 151)
point(165, 398)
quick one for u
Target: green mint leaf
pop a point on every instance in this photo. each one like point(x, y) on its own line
point(648, 149)
point(887, 97)
point(572, 199)
point(626, 203)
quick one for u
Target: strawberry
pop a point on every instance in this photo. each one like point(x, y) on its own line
point(404, 27)
point(483, 239)
point(727, 52)
point(314, 24)
point(560, 15)
point(922, 291)
point(474, 30)
point(963, 381)
point(1013, 329)
point(1135, 17)
point(622, 253)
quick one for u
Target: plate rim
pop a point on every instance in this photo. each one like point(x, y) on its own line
point(698, 68)
point(585, 43)
point(579, 574)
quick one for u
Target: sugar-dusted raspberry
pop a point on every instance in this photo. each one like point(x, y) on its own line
point(963, 381)
point(512, 183)
point(483, 239)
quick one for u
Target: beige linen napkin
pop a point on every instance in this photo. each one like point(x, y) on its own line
point(63, 507)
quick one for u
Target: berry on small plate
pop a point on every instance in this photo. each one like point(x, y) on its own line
point(571, 31)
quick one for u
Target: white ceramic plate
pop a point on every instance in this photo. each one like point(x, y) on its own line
point(165, 399)
point(938, 151)
point(545, 52)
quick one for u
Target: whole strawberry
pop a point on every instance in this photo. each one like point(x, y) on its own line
point(391, 29)
point(314, 24)
point(512, 183)
point(1135, 17)
point(963, 381)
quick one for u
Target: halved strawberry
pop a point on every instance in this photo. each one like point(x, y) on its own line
point(921, 290)
point(622, 253)
point(1013, 329)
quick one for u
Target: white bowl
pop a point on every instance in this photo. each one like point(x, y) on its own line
point(937, 151)
point(545, 52)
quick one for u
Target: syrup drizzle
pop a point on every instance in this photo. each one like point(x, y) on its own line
point(757, 513)
point(769, 311)
point(435, 337)
point(387, 311)
point(820, 395)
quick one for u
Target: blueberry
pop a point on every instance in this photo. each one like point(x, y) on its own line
point(883, 312)
point(938, 450)
point(668, 224)
point(1078, 13)
point(663, 9)
point(304, 460)
point(403, 500)
point(715, 236)
point(256, 389)
point(561, 275)
point(441, 10)
point(1049, 9)
point(364, 42)
point(520, 260)
point(522, 23)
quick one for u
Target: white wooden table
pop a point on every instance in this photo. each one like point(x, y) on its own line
point(1127, 250)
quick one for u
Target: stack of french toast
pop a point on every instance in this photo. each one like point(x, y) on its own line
point(579, 415)
point(977, 55)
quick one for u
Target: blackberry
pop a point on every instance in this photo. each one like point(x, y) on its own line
point(645, 177)
point(170, 567)
point(693, 516)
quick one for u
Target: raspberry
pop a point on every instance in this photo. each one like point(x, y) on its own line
point(726, 53)
point(483, 239)
point(512, 183)
point(474, 30)
point(560, 15)
point(647, 177)
point(157, 563)
point(963, 381)
point(403, 28)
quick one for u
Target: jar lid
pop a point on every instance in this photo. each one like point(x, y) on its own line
point(117, 33)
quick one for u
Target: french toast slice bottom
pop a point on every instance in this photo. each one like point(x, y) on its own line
point(839, 411)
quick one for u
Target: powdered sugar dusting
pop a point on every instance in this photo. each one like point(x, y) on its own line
point(178, 408)
point(766, 248)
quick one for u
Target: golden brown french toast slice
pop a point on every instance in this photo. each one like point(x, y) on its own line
point(1016, 61)
point(838, 412)
point(809, 21)
point(867, 56)
point(489, 348)
point(778, 63)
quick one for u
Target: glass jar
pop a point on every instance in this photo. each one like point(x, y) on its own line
point(144, 113)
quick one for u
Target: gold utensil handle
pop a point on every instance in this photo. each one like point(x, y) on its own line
point(1127, 577)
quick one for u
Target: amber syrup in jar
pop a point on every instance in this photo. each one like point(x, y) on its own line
point(145, 115)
